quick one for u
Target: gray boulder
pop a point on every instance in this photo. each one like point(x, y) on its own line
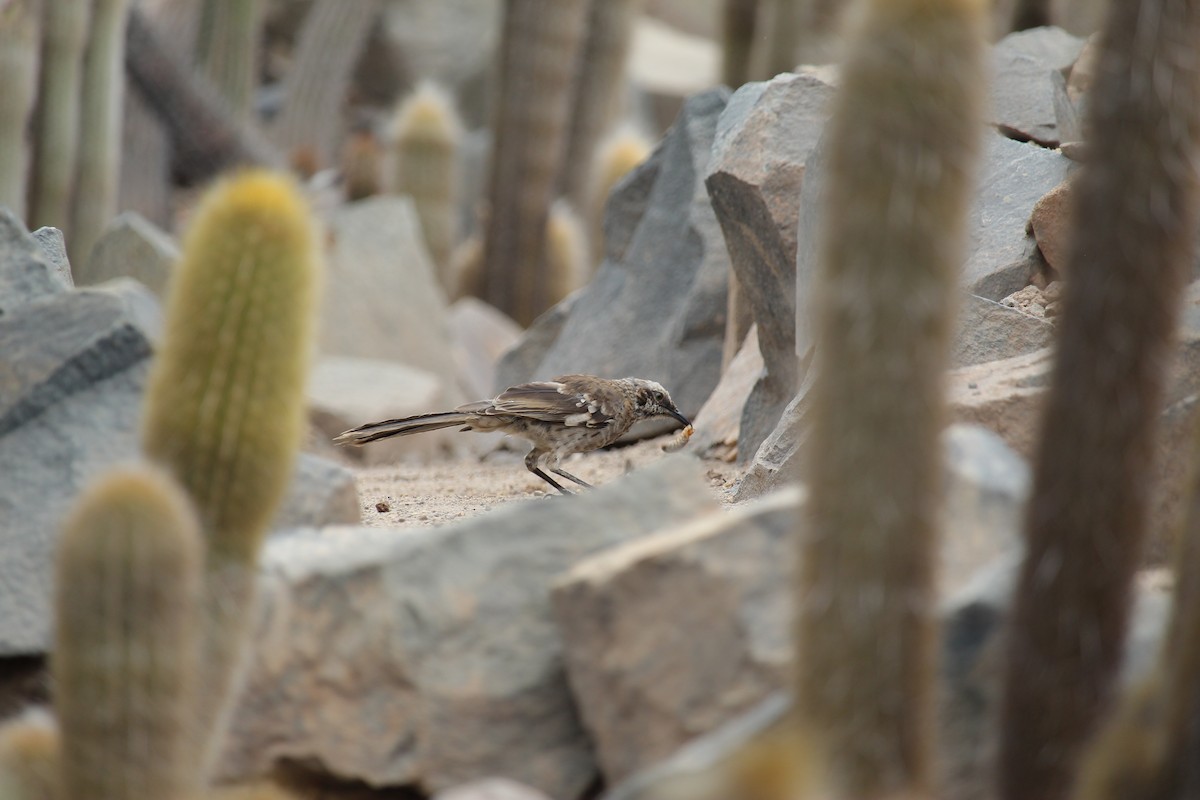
point(656, 307)
point(520, 362)
point(71, 387)
point(131, 247)
point(481, 334)
point(972, 654)
point(345, 392)
point(430, 657)
point(764, 137)
point(669, 636)
point(666, 637)
point(1023, 91)
point(1007, 397)
point(718, 425)
point(54, 248)
point(382, 299)
point(26, 273)
point(1012, 177)
point(988, 331)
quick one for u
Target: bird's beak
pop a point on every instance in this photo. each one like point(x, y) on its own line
point(678, 416)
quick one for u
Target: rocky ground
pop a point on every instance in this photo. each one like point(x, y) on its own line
point(422, 495)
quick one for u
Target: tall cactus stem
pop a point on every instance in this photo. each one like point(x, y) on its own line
point(598, 92)
point(905, 132)
point(56, 128)
point(539, 39)
point(94, 200)
point(19, 35)
point(426, 136)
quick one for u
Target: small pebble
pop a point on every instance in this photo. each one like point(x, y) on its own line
point(382, 507)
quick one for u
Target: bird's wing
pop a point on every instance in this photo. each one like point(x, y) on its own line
point(551, 401)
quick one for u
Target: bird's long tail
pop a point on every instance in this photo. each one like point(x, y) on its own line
point(374, 431)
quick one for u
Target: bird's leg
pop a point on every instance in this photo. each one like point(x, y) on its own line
point(569, 476)
point(550, 481)
point(531, 464)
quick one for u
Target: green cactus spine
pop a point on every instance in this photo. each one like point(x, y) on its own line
point(425, 139)
point(1136, 205)
point(540, 41)
point(94, 201)
point(739, 18)
point(56, 127)
point(227, 50)
point(29, 758)
point(125, 653)
point(225, 402)
point(598, 92)
point(904, 136)
point(18, 74)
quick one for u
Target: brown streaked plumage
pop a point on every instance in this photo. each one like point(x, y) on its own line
point(566, 415)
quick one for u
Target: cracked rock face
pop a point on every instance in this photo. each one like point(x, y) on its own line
point(430, 656)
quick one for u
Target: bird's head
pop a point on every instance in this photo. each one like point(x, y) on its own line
point(652, 400)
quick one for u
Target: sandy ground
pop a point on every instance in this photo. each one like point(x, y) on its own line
point(421, 495)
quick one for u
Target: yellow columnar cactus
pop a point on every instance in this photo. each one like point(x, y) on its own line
point(425, 140)
point(128, 625)
point(225, 403)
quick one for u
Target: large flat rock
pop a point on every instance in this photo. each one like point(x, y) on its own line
point(669, 636)
point(764, 138)
point(430, 657)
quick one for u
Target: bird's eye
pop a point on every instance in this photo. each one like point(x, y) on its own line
point(658, 397)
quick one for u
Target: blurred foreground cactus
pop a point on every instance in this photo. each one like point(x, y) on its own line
point(425, 138)
point(1136, 206)
point(125, 653)
point(1147, 750)
point(905, 132)
point(225, 403)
